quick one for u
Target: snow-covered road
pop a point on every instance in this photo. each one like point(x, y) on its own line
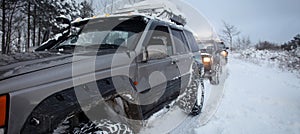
point(257, 99)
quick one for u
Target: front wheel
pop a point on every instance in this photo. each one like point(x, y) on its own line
point(103, 126)
point(123, 115)
point(126, 109)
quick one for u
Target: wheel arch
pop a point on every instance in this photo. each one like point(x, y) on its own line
point(63, 102)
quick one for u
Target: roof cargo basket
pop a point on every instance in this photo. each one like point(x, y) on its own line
point(158, 10)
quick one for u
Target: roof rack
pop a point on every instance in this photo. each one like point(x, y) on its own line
point(158, 10)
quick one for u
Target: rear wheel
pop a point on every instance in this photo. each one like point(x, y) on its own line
point(215, 79)
point(200, 100)
point(191, 100)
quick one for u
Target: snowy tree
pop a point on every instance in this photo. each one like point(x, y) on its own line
point(243, 42)
point(266, 45)
point(27, 23)
point(106, 6)
point(12, 23)
point(293, 44)
point(86, 9)
point(228, 33)
point(3, 9)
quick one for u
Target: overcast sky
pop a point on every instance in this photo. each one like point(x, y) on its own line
point(272, 20)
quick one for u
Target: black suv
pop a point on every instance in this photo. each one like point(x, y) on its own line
point(212, 59)
point(120, 68)
point(224, 50)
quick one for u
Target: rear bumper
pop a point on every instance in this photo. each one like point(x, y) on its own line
point(207, 67)
point(209, 74)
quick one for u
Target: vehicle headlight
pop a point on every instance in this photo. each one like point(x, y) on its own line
point(3, 110)
point(206, 59)
point(224, 53)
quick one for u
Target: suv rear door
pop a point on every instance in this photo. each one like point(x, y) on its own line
point(182, 57)
point(194, 48)
point(156, 76)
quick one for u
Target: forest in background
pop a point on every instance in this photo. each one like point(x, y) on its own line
point(25, 24)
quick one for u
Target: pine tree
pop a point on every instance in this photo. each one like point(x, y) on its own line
point(48, 10)
point(3, 7)
point(86, 9)
point(27, 23)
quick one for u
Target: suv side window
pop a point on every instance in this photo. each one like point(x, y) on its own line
point(179, 41)
point(162, 33)
point(192, 42)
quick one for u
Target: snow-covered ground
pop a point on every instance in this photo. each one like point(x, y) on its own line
point(258, 99)
point(286, 60)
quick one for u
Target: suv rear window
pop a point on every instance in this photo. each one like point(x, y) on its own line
point(162, 33)
point(192, 42)
point(179, 41)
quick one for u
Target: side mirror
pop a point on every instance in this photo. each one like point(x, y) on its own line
point(157, 52)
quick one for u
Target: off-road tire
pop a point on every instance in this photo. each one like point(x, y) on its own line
point(199, 105)
point(129, 121)
point(187, 101)
point(215, 79)
point(133, 113)
point(122, 107)
point(104, 127)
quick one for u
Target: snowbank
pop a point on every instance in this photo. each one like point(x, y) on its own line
point(282, 59)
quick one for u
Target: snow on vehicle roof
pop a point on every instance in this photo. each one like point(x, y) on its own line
point(158, 3)
point(108, 16)
point(128, 15)
point(149, 10)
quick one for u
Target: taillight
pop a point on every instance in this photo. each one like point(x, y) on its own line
point(3, 108)
point(206, 60)
point(224, 53)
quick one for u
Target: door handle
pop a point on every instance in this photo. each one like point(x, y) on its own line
point(174, 61)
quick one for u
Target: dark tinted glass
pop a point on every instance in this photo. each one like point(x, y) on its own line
point(192, 42)
point(179, 41)
point(162, 34)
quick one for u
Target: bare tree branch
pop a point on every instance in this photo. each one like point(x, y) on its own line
point(228, 33)
point(243, 42)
